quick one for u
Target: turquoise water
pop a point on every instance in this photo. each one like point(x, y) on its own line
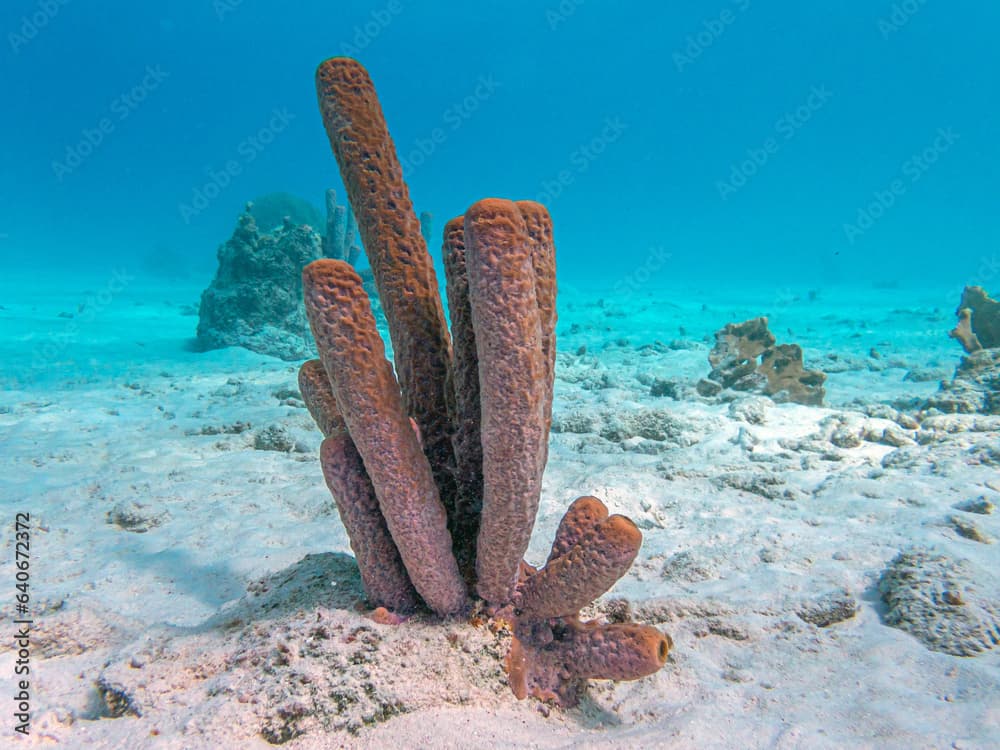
point(821, 142)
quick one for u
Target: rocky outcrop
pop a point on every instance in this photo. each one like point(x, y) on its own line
point(255, 299)
point(978, 320)
point(975, 386)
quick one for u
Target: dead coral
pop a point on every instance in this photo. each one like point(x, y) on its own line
point(978, 320)
point(975, 387)
point(746, 357)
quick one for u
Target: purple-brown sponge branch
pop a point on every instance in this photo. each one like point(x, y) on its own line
point(383, 576)
point(401, 265)
point(583, 514)
point(543, 259)
point(552, 660)
point(368, 398)
point(467, 437)
point(553, 653)
point(317, 393)
point(513, 390)
point(583, 573)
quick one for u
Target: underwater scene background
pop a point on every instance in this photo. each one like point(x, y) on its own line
point(760, 135)
point(777, 353)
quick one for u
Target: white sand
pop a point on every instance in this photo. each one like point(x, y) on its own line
point(220, 606)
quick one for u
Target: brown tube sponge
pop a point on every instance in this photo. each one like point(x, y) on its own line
point(466, 439)
point(383, 576)
point(368, 399)
point(403, 270)
point(589, 568)
point(582, 515)
point(621, 651)
point(552, 663)
point(319, 399)
point(382, 573)
point(543, 259)
point(553, 653)
point(512, 389)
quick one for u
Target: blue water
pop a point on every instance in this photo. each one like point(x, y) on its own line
point(822, 142)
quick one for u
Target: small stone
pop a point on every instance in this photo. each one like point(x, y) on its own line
point(969, 530)
point(829, 609)
point(953, 598)
point(750, 410)
point(737, 676)
point(708, 388)
point(845, 438)
point(135, 517)
point(769, 555)
point(895, 438)
point(669, 388)
point(980, 505)
point(274, 438)
point(383, 616)
point(950, 605)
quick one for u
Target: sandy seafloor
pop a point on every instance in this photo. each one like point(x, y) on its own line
point(201, 586)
